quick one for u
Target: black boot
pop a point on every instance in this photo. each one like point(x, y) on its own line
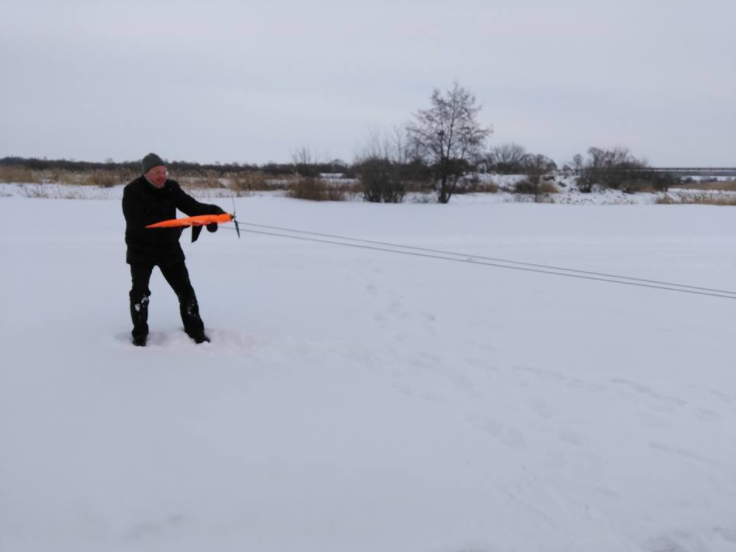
point(193, 325)
point(140, 340)
point(139, 316)
point(200, 338)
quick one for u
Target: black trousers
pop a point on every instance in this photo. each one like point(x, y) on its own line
point(177, 276)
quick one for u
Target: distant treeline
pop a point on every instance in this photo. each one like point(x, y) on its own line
point(443, 149)
point(178, 167)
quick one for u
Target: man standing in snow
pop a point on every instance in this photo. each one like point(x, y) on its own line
point(149, 199)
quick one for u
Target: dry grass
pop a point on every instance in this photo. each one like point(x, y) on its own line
point(68, 177)
point(252, 182)
point(104, 179)
point(637, 186)
point(315, 189)
point(548, 188)
point(418, 187)
point(529, 186)
point(20, 175)
point(474, 185)
point(241, 183)
point(210, 180)
point(698, 199)
point(714, 185)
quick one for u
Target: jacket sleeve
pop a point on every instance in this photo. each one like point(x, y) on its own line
point(134, 213)
point(190, 206)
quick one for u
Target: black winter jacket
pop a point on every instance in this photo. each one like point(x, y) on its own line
point(144, 204)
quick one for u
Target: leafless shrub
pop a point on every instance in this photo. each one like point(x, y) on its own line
point(534, 185)
point(304, 162)
point(379, 167)
point(507, 158)
point(380, 180)
point(612, 168)
point(537, 186)
point(538, 182)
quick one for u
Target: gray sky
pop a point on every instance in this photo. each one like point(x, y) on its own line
point(253, 81)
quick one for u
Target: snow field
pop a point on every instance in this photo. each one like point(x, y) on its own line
point(366, 401)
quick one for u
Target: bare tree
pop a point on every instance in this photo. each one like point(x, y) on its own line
point(538, 164)
point(578, 164)
point(304, 162)
point(611, 168)
point(537, 167)
point(379, 166)
point(507, 158)
point(448, 137)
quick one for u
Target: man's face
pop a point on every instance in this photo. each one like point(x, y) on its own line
point(157, 176)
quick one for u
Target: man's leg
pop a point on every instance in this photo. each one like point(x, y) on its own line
point(177, 276)
point(139, 294)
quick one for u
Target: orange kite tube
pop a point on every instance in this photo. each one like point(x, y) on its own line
point(197, 223)
point(201, 220)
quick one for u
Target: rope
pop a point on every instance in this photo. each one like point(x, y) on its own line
point(481, 260)
point(494, 259)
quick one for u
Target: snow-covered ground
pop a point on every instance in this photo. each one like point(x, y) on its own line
point(360, 400)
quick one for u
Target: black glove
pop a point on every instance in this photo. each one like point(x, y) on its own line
point(212, 227)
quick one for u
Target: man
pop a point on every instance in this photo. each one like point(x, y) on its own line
point(148, 199)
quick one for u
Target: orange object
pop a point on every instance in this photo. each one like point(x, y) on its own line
point(201, 220)
point(197, 223)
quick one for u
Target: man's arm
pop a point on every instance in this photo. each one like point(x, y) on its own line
point(133, 211)
point(190, 206)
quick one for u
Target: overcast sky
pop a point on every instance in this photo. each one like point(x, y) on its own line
point(253, 81)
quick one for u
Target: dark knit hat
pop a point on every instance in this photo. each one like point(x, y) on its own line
point(150, 161)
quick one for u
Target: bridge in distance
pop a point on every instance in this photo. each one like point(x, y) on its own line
point(686, 171)
point(696, 171)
